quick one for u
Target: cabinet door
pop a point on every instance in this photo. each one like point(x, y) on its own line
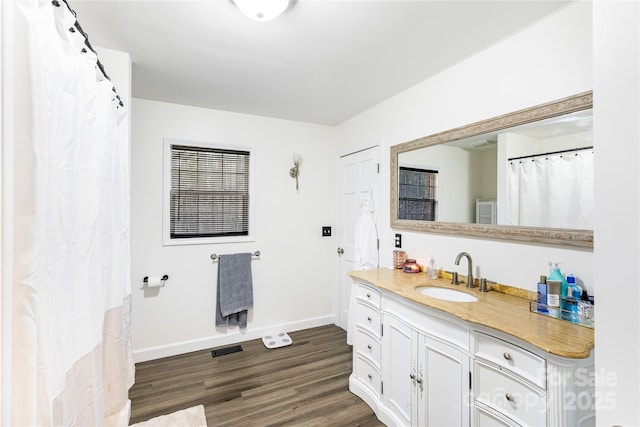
point(443, 393)
point(399, 364)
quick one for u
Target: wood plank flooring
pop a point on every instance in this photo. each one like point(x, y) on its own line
point(304, 384)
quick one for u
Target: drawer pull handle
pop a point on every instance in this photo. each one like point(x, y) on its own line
point(507, 356)
point(370, 376)
point(412, 376)
point(369, 318)
point(368, 295)
point(509, 397)
point(369, 347)
point(419, 380)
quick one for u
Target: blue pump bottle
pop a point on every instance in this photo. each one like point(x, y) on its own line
point(557, 275)
point(572, 300)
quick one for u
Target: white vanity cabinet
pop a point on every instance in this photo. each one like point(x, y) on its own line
point(418, 366)
point(425, 377)
point(423, 363)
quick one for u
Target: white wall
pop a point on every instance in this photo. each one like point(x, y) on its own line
point(546, 61)
point(292, 279)
point(617, 210)
point(484, 166)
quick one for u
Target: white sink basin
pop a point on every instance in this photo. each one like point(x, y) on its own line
point(446, 294)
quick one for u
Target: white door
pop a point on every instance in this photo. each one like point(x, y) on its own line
point(358, 175)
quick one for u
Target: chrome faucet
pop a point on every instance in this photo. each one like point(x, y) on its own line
point(469, 264)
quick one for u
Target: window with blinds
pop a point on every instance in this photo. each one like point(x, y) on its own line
point(417, 194)
point(209, 192)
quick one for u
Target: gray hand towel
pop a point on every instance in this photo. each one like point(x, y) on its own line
point(234, 290)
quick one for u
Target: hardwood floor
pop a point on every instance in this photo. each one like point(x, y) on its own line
point(304, 384)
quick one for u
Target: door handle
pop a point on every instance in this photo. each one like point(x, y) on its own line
point(340, 251)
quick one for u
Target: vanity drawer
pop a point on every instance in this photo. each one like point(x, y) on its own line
point(485, 418)
point(512, 358)
point(368, 346)
point(366, 293)
point(517, 400)
point(368, 318)
point(367, 374)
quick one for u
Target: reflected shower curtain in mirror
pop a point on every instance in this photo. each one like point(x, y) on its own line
point(72, 362)
point(533, 199)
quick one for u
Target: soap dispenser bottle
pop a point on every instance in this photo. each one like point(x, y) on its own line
point(432, 269)
point(555, 275)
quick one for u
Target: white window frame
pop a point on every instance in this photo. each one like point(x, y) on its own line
point(166, 195)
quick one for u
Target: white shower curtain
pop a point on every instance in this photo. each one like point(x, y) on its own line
point(72, 362)
point(551, 191)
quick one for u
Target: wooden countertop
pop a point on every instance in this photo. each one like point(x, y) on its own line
point(505, 313)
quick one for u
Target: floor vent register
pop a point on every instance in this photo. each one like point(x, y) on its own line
point(226, 350)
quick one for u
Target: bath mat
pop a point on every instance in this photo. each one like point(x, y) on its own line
point(190, 417)
point(226, 350)
point(277, 340)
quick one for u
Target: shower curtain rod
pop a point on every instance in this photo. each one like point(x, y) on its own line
point(77, 26)
point(550, 153)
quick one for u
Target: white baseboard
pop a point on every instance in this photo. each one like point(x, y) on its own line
point(234, 337)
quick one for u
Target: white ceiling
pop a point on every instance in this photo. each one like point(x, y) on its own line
point(579, 122)
point(322, 61)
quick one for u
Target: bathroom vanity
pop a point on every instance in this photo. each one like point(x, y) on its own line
point(425, 361)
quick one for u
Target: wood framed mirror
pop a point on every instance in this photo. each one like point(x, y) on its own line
point(461, 220)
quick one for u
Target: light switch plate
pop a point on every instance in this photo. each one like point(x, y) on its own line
point(326, 231)
point(398, 240)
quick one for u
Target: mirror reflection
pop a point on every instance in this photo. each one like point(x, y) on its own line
point(537, 174)
point(462, 181)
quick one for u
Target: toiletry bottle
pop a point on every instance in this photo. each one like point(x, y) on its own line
point(572, 299)
point(553, 297)
point(585, 308)
point(432, 269)
point(542, 295)
point(556, 275)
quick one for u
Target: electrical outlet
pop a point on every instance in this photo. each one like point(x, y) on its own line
point(326, 231)
point(398, 240)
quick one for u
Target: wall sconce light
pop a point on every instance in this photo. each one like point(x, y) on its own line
point(294, 172)
point(262, 10)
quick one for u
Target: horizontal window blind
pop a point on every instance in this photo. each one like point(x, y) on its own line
point(417, 189)
point(209, 194)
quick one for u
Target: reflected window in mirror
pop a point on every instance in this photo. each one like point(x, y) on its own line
point(417, 190)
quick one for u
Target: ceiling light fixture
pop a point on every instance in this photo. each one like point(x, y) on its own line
point(262, 10)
